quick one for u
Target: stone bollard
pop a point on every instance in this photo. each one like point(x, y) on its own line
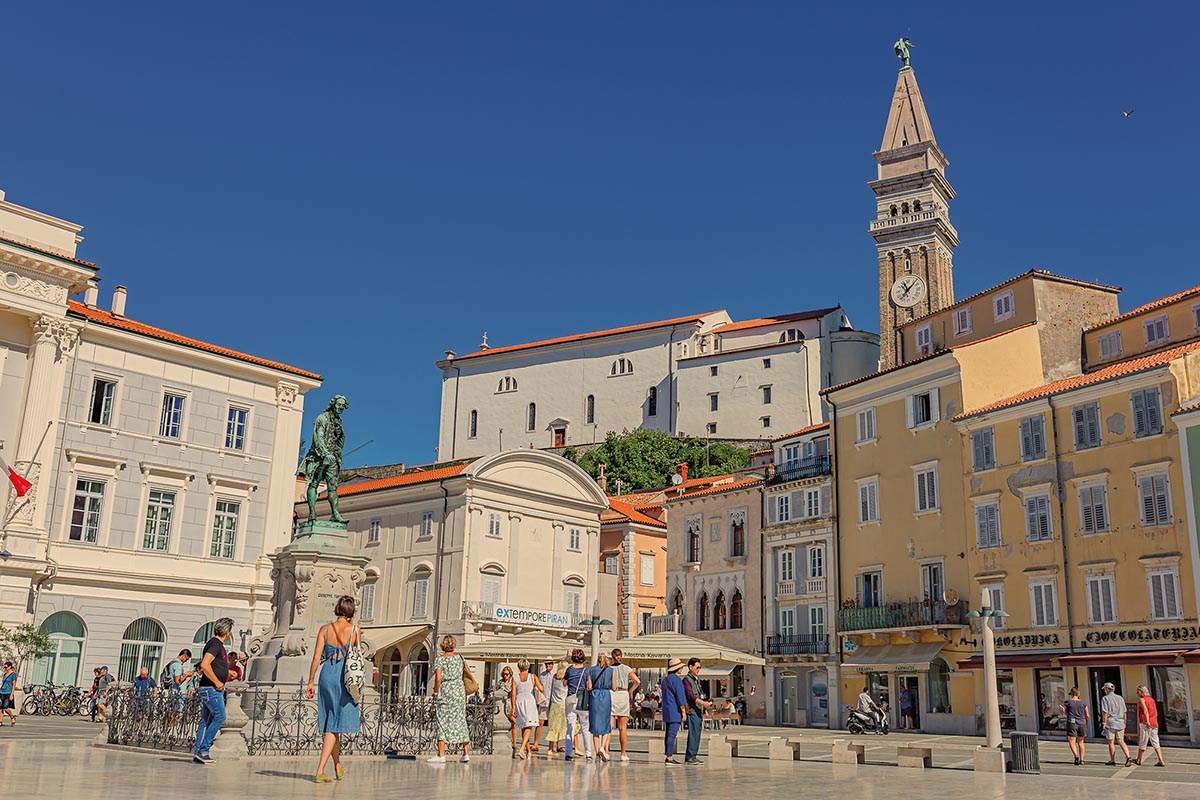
point(721, 750)
point(847, 752)
point(780, 749)
point(656, 747)
point(231, 742)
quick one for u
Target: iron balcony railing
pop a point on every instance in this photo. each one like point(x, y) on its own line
point(812, 467)
point(906, 614)
point(797, 644)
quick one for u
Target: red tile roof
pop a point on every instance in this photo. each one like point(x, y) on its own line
point(640, 499)
point(122, 323)
point(764, 322)
point(411, 478)
point(581, 337)
point(1105, 373)
point(1040, 273)
point(46, 252)
point(633, 515)
point(1153, 304)
point(801, 432)
point(1187, 409)
point(724, 487)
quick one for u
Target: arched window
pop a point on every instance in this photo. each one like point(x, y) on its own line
point(893, 209)
point(473, 425)
point(702, 612)
point(418, 671)
point(507, 384)
point(622, 366)
point(737, 535)
point(203, 634)
point(141, 646)
point(916, 205)
point(904, 208)
point(420, 591)
point(591, 408)
point(907, 261)
point(693, 538)
point(531, 423)
point(652, 402)
point(791, 335)
point(939, 687)
point(391, 673)
point(67, 635)
point(719, 612)
point(735, 610)
point(677, 602)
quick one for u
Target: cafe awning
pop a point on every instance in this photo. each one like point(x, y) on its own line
point(385, 636)
point(1125, 657)
point(1193, 657)
point(890, 656)
point(1014, 661)
point(718, 673)
point(656, 649)
point(510, 648)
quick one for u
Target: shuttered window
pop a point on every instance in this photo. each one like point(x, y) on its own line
point(1037, 518)
point(983, 449)
point(1147, 412)
point(1044, 601)
point(987, 525)
point(926, 489)
point(1101, 603)
point(421, 596)
point(1093, 508)
point(1164, 594)
point(1033, 438)
point(866, 425)
point(868, 502)
point(1154, 493)
point(1086, 420)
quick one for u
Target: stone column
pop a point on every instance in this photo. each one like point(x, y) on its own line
point(231, 741)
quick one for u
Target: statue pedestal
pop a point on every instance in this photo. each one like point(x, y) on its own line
point(310, 574)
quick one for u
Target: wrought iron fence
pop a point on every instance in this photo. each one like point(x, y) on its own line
point(798, 644)
point(283, 722)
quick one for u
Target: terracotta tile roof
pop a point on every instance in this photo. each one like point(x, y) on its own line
point(105, 318)
point(46, 252)
point(723, 487)
point(1040, 273)
point(640, 499)
point(764, 322)
point(581, 337)
point(1153, 304)
point(633, 515)
point(761, 452)
point(410, 478)
point(1187, 409)
point(1108, 372)
point(800, 432)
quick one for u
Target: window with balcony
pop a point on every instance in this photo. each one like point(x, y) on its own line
point(816, 562)
point(1101, 592)
point(791, 457)
point(1044, 602)
point(491, 587)
point(1037, 518)
point(1147, 412)
point(1086, 421)
point(983, 450)
point(816, 621)
point(787, 622)
point(1156, 331)
point(1093, 508)
point(787, 571)
point(572, 600)
point(1033, 438)
point(868, 589)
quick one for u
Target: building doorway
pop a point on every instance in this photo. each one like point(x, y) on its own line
point(789, 697)
point(1100, 676)
point(1006, 688)
point(818, 698)
point(1052, 697)
point(560, 437)
point(1168, 687)
point(908, 706)
point(877, 687)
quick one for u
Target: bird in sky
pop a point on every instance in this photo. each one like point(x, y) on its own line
point(1128, 113)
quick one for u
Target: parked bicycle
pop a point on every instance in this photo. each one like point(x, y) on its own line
point(48, 699)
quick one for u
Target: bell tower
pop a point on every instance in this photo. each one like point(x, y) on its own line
point(912, 229)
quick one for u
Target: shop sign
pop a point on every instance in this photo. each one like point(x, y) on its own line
point(1177, 633)
point(1028, 640)
point(517, 615)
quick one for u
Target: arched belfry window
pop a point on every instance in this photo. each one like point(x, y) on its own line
point(916, 205)
point(622, 366)
point(591, 409)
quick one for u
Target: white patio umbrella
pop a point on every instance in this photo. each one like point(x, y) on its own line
point(510, 648)
point(656, 649)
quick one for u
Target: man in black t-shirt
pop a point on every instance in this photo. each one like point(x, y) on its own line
point(214, 671)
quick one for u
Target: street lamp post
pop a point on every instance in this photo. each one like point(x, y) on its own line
point(594, 623)
point(991, 692)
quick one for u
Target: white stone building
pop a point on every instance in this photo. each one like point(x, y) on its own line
point(764, 373)
point(161, 466)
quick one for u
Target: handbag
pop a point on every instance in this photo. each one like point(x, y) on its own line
point(354, 674)
point(470, 685)
point(583, 698)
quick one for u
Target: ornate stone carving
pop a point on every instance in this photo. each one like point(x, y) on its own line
point(286, 393)
point(35, 288)
point(60, 332)
point(295, 643)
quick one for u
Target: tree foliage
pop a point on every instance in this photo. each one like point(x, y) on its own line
point(22, 643)
point(645, 459)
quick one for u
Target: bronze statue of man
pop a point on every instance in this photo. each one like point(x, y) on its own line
point(902, 45)
point(323, 462)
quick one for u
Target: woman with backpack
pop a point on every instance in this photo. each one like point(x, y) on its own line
point(337, 713)
point(450, 698)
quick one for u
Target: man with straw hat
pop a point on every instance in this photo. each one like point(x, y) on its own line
point(674, 705)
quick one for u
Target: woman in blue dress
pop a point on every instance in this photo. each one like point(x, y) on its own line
point(600, 700)
point(337, 713)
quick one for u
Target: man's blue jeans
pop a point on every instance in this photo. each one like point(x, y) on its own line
point(672, 732)
point(212, 716)
point(695, 726)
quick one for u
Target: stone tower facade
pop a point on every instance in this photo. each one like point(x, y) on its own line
point(912, 229)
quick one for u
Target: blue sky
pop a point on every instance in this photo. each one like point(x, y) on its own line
point(355, 188)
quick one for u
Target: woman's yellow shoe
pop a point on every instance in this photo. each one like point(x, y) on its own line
point(321, 777)
point(341, 771)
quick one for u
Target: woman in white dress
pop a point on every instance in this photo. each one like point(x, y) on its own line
point(524, 705)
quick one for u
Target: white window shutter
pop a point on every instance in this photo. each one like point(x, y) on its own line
point(1100, 507)
point(826, 500)
point(981, 531)
point(1170, 598)
point(1094, 611)
point(1139, 413)
point(1153, 411)
point(1039, 608)
point(1087, 510)
point(772, 509)
point(1037, 430)
point(908, 410)
point(1157, 601)
point(1146, 495)
point(935, 408)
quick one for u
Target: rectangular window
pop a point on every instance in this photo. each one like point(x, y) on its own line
point(85, 511)
point(103, 394)
point(170, 424)
point(1093, 508)
point(712, 371)
point(869, 589)
point(612, 565)
point(572, 600)
point(766, 395)
point(1044, 597)
point(1164, 594)
point(1086, 420)
point(866, 425)
point(983, 449)
point(812, 503)
point(713, 402)
point(787, 622)
point(1156, 331)
point(159, 509)
point(816, 561)
point(646, 570)
point(868, 502)
point(368, 601)
point(987, 525)
point(225, 527)
point(962, 321)
point(787, 559)
point(766, 421)
point(235, 428)
point(816, 620)
point(490, 587)
point(712, 428)
point(784, 508)
point(574, 540)
point(493, 525)
point(1033, 438)
point(426, 524)
point(922, 408)
point(1101, 605)
point(1154, 492)
point(926, 489)
point(421, 596)
point(1037, 518)
point(1110, 344)
point(737, 536)
point(996, 595)
point(1147, 412)
point(1002, 306)
point(373, 531)
point(1196, 316)
point(924, 339)
point(767, 362)
point(791, 456)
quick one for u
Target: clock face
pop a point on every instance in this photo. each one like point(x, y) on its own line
point(908, 291)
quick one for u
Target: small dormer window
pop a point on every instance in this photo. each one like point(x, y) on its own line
point(622, 366)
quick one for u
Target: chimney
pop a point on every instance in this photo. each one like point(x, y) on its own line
point(91, 296)
point(682, 470)
point(602, 481)
point(118, 303)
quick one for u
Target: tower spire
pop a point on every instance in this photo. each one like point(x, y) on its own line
point(908, 121)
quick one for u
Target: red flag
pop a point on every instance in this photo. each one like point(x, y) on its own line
point(19, 483)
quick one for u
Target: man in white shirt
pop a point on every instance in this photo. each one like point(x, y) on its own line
point(1112, 716)
point(547, 678)
point(868, 706)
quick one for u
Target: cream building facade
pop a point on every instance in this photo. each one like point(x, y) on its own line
point(162, 467)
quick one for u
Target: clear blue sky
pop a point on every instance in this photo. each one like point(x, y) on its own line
point(355, 190)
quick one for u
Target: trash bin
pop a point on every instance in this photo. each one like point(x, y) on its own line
point(1024, 748)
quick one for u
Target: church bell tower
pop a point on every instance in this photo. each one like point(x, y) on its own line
point(912, 229)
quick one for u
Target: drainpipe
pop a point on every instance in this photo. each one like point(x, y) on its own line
point(1062, 527)
point(837, 554)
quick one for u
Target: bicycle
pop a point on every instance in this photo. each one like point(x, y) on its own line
point(32, 703)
